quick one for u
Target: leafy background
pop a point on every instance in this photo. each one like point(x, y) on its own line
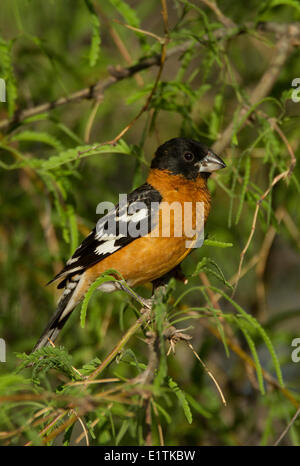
point(220, 73)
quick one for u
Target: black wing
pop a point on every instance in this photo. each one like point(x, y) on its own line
point(119, 227)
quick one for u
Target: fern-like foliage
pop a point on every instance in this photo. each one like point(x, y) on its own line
point(44, 359)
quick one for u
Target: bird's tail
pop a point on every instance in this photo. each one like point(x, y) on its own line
point(66, 304)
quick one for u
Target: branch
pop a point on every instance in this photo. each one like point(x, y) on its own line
point(163, 56)
point(287, 173)
point(119, 73)
point(249, 361)
point(91, 92)
point(287, 427)
point(227, 22)
point(131, 331)
point(119, 43)
point(283, 50)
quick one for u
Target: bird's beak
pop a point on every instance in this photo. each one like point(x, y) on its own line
point(211, 163)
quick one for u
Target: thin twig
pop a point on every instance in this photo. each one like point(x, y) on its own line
point(287, 173)
point(293, 161)
point(282, 51)
point(85, 432)
point(208, 372)
point(156, 82)
point(291, 226)
point(275, 180)
point(61, 428)
point(91, 119)
point(159, 428)
point(260, 270)
point(262, 262)
point(93, 91)
point(138, 323)
point(119, 43)
point(119, 73)
point(227, 22)
point(287, 427)
point(249, 361)
point(89, 382)
point(48, 426)
point(165, 17)
point(147, 33)
point(148, 424)
point(92, 425)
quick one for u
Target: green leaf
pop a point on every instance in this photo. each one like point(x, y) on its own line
point(127, 12)
point(67, 436)
point(217, 272)
point(13, 382)
point(90, 366)
point(217, 244)
point(182, 399)
point(275, 3)
point(38, 136)
point(251, 345)
point(96, 39)
point(7, 73)
point(78, 153)
point(160, 310)
point(122, 431)
point(62, 127)
point(44, 359)
point(246, 178)
point(165, 414)
point(198, 407)
point(105, 277)
point(216, 117)
point(73, 228)
point(260, 330)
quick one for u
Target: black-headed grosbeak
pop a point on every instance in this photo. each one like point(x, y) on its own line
point(178, 173)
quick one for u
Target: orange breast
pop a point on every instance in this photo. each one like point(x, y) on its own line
point(151, 256)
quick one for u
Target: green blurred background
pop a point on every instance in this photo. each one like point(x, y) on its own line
point(50, 50)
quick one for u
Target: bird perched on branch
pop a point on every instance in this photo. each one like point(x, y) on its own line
point(145, 237)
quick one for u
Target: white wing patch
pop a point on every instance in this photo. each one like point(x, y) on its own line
point(108, 247)
point(139, 216)
point(75, 269)
point(72, 260)
point(114, 231)
point(108, 238)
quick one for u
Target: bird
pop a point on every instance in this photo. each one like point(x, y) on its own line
point(129, 238)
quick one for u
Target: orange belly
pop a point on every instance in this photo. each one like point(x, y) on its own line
point(145, 259)
point(150, 257)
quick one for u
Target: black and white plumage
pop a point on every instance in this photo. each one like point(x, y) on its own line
point(112, 232)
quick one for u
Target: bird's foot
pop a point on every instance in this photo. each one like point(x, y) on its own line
point(146, 303)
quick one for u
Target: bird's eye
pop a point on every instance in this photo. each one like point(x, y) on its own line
point(188, 156)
